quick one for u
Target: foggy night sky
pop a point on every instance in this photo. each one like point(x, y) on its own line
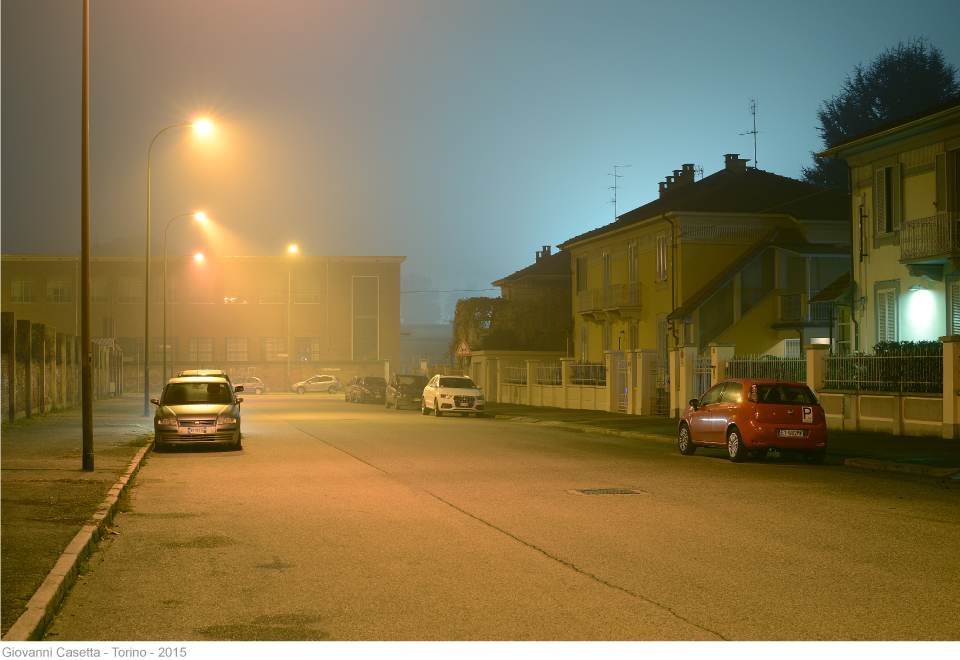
point(463, 135)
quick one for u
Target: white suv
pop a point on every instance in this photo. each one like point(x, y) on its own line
point(452, 394)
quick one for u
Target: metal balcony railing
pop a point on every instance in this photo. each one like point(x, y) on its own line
point(927, 237)
point(589, 300)
point(616, 296)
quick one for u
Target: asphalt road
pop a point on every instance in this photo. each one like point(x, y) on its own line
point(343, 521)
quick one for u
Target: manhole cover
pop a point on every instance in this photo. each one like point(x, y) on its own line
point(609, 491)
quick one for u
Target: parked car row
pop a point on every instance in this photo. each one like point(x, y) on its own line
point(440, 394)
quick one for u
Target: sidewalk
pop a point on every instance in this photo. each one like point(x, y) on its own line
point(928, 455)
point(49, 500)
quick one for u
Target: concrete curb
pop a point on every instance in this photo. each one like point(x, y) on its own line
point(42, 607)
point(863, 463)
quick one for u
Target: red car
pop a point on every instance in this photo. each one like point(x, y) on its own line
point(753, 416)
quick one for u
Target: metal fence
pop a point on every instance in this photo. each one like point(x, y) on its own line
point(660, 377)
point(768, 366)
point(516, 375)
point(549, 374)
point(884, 373)
point(702, 375)
point(588, 373)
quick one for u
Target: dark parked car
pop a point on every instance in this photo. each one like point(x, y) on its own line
point(370, 389)
point(197, 410)
point(752, 416)
point(405, 390)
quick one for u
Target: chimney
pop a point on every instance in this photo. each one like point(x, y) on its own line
point(733, 163)
point(680, 178)
point(544, 253)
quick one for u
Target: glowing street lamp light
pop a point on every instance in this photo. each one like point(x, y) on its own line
point(202, 126)
point(201, 217)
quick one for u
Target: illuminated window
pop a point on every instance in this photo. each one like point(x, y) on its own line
point(23, 289)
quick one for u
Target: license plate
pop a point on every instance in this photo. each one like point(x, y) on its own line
point(464, 405)
point(197, 429)
point(791, 433)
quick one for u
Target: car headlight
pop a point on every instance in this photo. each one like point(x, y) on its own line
point(167, 420)
point(446, 396)
point(226, 420)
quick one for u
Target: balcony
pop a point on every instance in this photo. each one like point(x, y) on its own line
point(613, 302)
point(928, 243)
point(796, 312)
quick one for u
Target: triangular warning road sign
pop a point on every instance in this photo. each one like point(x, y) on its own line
point(463, 350)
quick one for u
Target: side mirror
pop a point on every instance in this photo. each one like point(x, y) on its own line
point(156, 401)
point(238, 388)
point(240, 400)
point(693, 403)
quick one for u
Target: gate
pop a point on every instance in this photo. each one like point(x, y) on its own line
point(702, 374)
point(623, 387)
point(660, 392)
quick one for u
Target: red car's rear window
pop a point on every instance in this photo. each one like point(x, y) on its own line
point(786, 394)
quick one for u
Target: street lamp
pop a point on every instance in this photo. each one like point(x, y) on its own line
point(196, 257)
point(202, 218)
point(292, 250)
point(202, 126)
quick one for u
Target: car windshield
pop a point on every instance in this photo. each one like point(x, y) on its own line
point(461, 383)
point(786, 394)
point(411, 379)
point(376, 381)
point(181, 394)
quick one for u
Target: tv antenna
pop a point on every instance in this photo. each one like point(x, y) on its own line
point(699, 172)
point(614, 187)
point(753, 111)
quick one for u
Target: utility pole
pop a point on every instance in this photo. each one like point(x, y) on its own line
point(614, 187)
point(86, 361)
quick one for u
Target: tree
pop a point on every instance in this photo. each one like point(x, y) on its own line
point(899, 82)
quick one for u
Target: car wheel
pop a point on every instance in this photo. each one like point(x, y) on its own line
point(423, 408)
point(259, 390)
point(816, 457)
point(760, 454)
point(301, 390)
point(159, 447)
point(333, 389)
point(238, 445)
point(396, 404)
point(735, 448)
point(685, 442)
point(436, 408)
point(363, 399)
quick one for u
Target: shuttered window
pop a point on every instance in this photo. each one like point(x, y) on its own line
point(581, 274)
point(887, 315)
point(887, 205)
point(955, 308)
point(661, 257)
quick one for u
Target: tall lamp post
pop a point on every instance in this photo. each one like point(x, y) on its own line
point(202, 218)
point(203, 127)
point(292, 250)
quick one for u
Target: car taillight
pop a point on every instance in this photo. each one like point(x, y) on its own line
point(753, 394)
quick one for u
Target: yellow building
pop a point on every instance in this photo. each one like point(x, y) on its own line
point(905, 215)
point(710, 261)
point(341, 314)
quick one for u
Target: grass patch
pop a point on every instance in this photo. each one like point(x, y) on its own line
point(141, 441)
point(83, 568)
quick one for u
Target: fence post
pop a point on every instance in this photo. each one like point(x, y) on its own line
point(531, 379)
point(50, 364)
point(951, 387)
point(681, 375)
point(9, 347)
point(815, 355)
point(565, 373)
point(499, 375)
point(720, 354)
point(62, 369)
point(23, 354)
point(645, 360)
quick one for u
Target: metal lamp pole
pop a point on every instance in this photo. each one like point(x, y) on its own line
point(290, 252)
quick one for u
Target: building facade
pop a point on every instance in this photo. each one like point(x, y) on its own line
point(247, 315)
point(905, 215)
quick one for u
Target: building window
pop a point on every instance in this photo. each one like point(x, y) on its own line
point(366, 318)
point(234, 296)
point(887, 205)
point(955, 308)
point(173, 349)
point(23, 289)
point(59, 289)
point(237, 349)
point(98, 289)
point(791, 348)
point(581, 274)
point(633, 339)
point(632, 262)
point(131, 348)
point(306, 349)
point(130, 289)
point(201, 294)
point(273, 349)
point(607, 336)
point(272, 292)
point(307, 291)
point(661, 258)
point(886, 315)
point(201, 349)
point(584, 343)
point(606, 269)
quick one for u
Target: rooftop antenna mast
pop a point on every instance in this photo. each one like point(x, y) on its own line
point(753, 111)
point(614, 187)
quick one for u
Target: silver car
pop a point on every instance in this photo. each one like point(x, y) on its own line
point(329, 384)
point(197, 411)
